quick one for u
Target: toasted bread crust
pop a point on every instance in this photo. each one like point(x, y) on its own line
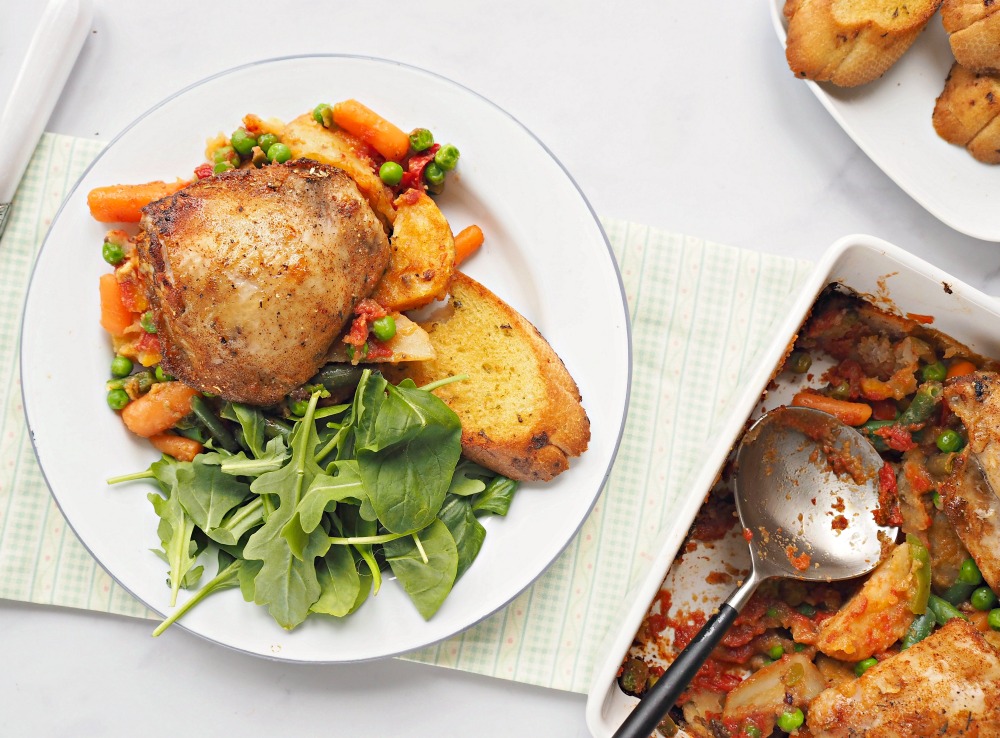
point(967, 113)
point(851, 42)
point(520, 409)
point(973, 28)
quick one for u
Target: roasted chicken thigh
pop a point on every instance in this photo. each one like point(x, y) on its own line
point(253, 273)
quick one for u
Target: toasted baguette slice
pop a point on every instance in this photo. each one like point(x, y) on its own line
point(967, 113)
point(851, 42)
point(973, 28)
point(520, 409)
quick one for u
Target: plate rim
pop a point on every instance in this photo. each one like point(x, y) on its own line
point(623, 302)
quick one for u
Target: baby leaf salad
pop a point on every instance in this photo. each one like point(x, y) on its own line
point(307, 521)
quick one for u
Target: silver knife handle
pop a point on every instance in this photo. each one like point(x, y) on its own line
point(4, 208)
point(51, 55)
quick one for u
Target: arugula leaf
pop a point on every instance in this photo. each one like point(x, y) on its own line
point(238, 522)
point(407, 455)
point(270, 458)
point(251, 420)
point(467, 531)
point(345, 487)
point(427, 583)
point(178, 548)
point(496, 498)
point(340, 584)
point(207, 494)
point(226, 578)
point(287, 583)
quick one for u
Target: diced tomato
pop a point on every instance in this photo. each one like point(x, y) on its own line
point(203, 171)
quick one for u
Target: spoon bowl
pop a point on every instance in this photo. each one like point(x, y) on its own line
point(806, 488)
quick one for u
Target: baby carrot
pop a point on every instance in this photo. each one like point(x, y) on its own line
point(960, 367)
point(115, 317)
point(467, 241)
point(850, 413)
point(181, 448)
point(388, 140)
point(123, 203)
point(159, 409)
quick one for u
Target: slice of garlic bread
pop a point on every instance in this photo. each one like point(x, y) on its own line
point(851, 42)
point(973, 28)
point(967, 113)
point(520, 409)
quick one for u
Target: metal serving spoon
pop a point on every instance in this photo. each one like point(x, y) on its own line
point(802, 518)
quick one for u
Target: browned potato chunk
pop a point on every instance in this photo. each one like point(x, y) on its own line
point(309, 140)
point(792, 681)
point(422, 258)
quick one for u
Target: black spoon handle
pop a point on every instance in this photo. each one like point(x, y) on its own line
point(658, 700)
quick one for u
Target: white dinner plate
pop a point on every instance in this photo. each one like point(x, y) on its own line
point(890, 120)
point(545, 253)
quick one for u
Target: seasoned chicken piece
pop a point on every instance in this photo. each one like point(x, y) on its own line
point(946, 685)
point(972, 507)
point(253, 273)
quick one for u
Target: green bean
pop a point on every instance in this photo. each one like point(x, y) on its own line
point(958, 592)
point(868, 430)
point(941, 465)
point(920, 628)
point(922, 405)
point(338, 376)
point(943, 610)
point(215, 427)
point(274, 428)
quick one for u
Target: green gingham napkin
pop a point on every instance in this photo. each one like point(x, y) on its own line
point(699, 311)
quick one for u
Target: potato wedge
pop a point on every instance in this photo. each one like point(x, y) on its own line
point(878, 615)
point(309, 140)
point(423, 255)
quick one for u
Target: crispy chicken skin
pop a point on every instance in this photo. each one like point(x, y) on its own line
point(253, 273)
point(972, 507)
point(945, 685)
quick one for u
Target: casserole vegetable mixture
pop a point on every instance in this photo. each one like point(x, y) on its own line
point(911, 649)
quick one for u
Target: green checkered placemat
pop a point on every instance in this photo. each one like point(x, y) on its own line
point(699, 311)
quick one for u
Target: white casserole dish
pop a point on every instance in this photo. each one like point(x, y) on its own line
point(891, 278)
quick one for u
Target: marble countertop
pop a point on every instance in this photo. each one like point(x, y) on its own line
point(663, 115)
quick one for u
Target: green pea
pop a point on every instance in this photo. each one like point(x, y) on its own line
point(421, 139)
point(222, 166)
point(799, 362)
point(446, 157)
point(776, 652)
point(841, 391)
point(807, 609)
point(226, 153)
point(117, 399)
point(298, 407)
point(242, 142)
point(147, 322)
point(112, 253)
point(384, 328)
point(969, 573)
point(936, 500)
point(800, 647)
point(279, 153)
point(993, 619)
point(862, 666)
point(121, 366)
point(789, 721)
point(949, 441)
point(935, 372)
point(434, 174)
point(983, 599)
point(391, 173)
point(772, 612)
point(752, 731)
point(323, 114)
point(162, 376)
point(267, 141)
